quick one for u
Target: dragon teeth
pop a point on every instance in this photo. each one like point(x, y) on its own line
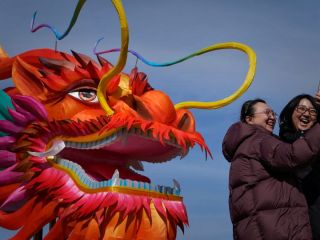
point(92, 145)
point(115, 178)
point(117, 181)
point(57, 147)
point(115, 174)
point(176, 184)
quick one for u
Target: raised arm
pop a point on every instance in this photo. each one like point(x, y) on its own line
point(288, 157)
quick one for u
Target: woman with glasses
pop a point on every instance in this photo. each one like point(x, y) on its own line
point(297, 117)
point(265, 200)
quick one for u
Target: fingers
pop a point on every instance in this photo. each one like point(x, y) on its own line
point(317, 97)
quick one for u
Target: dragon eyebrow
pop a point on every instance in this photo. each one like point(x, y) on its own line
point(58, 96)
point(82, 83)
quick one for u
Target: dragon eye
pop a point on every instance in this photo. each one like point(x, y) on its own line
point(85, 95)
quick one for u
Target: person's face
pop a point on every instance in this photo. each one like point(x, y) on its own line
point(304, 116)
point(262, 116)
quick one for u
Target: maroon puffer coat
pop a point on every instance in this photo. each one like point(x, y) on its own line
point(265, 202)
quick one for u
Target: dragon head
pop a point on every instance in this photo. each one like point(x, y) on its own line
point(74, 134)
point(65, 160)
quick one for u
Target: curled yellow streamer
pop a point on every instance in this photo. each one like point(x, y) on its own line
point(245, 85)
point(101, 90)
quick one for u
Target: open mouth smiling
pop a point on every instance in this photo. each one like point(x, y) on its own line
point(271, 123)
point(304, 120)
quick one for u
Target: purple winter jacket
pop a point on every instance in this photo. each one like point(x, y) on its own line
point(265, 200)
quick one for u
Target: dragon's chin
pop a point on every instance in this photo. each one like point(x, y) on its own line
point(53, 196)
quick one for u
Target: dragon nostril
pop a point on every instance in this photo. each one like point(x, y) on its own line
point(186, 122)
point(141, 108)
point(183, 121)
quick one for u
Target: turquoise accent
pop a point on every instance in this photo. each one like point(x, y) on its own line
point(5, 104)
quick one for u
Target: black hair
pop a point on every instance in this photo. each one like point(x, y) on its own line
point(287, 130)
point(247, 108)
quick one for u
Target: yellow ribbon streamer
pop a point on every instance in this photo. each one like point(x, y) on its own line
point(101, 90)
point(245, 85)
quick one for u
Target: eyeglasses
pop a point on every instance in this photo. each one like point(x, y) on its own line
point(268, 112)
point(302, 109)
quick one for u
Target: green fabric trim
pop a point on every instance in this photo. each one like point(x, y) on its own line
point(5, 104)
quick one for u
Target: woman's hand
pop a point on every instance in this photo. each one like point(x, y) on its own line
point(317, 97)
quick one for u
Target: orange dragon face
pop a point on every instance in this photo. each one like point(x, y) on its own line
point(65, 161)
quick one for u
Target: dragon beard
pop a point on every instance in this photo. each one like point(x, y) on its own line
point(79, 197)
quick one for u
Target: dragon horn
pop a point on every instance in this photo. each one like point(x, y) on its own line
point(57, 64)
point(83, 60)
point(3, 53)
point(245, 85)
point(5, 64)
point(101, 91)
point(104, 61)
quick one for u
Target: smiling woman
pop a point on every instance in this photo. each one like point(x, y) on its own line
point(296, 119)
point(257, 112)
point(305, 115)
point(299, 115)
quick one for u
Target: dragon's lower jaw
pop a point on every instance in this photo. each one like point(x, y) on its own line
point(126, 199)
point(53, 195)
point(116, 184)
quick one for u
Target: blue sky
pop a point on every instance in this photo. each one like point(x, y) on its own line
point(284, 34)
